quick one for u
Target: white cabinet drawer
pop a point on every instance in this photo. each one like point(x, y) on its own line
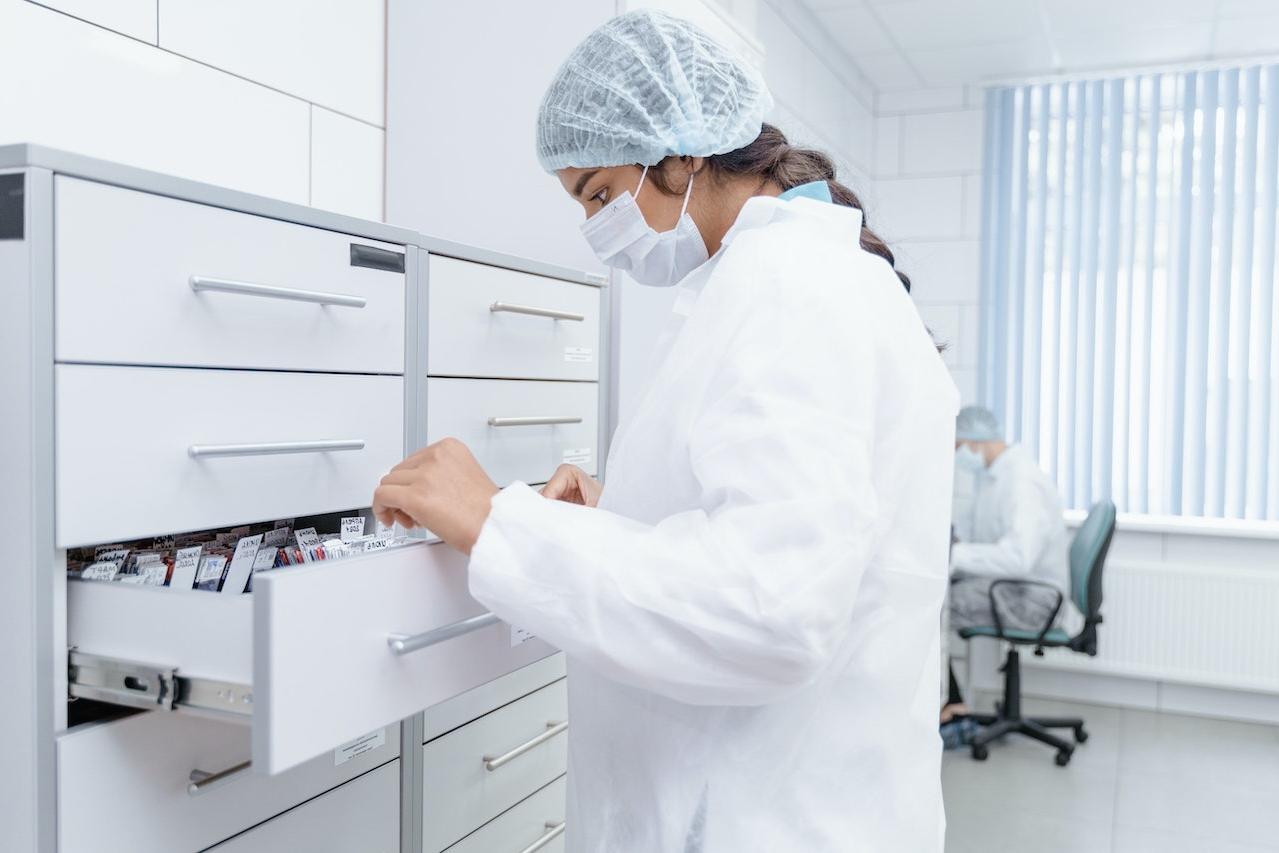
point(494, 322)
point(124, 264)
point(533, 445)
point(363, 816)
point(122, 786)
point(125, 438)
point(459, 710)
point(461, 793)
point(311, 641)
point(538, 818)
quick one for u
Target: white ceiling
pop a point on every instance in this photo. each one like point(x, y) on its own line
point(908, 44)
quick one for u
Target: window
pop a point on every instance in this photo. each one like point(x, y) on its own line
point(1129, 329)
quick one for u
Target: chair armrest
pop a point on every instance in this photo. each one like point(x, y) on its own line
point(1022, 582)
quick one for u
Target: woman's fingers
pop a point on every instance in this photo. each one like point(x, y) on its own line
point(392, 502)
point(564, 485)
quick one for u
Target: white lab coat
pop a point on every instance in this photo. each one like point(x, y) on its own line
point(1015, 527)
point(751, 616)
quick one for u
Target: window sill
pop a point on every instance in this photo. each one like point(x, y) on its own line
point(1186, 526)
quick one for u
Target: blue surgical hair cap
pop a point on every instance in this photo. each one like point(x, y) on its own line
point(644, 86)
point(975, 423)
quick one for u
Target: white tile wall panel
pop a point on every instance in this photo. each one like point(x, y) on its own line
point(944, 322)
point(785, 65)
point(972, 205)
point(935, 143)
point(346, 164)
point(920, 208)
point(887, 161)
point(966, 347)
point(329, 53)
point(966, 382)
point(942, 271)
point(133, 18)
point(77, 86)
point(859, 133)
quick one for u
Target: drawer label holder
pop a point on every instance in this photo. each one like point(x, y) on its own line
point(152, 687)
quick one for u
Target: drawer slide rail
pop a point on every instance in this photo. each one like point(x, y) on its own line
point(152, 687)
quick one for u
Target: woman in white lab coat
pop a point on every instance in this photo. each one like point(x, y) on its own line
point(750, 606)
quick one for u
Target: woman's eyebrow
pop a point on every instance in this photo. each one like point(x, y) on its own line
point(581, 182)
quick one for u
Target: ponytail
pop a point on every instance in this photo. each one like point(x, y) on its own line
point(771, 158)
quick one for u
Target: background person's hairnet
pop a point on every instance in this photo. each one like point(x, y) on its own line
point(644, 86)
point(975, 423)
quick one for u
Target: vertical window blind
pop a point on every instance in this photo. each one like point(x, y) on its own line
point(1130, 336)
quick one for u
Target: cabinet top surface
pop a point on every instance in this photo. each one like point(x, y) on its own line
point(27, 155)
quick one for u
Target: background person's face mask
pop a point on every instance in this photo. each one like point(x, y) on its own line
point(969, 460)
point(623, 239)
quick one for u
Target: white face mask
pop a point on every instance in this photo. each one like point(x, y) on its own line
point(968, 459)
point(623, 239)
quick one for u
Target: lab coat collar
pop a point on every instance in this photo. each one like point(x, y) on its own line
point(762, 210)
point(1006, 461)
point(756, 213)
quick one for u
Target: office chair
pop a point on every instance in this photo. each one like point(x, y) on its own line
point(1087, 557)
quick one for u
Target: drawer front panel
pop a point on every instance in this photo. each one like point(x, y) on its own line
point(321, 642)
point(122, 786)
point(362, 816)
point(125, 261)
point(494, 322)
point(522, 826)
point(461, 794)
point(466, 408)
point(125, 439)
point(459, 710)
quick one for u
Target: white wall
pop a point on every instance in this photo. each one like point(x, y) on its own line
point(465, 81)
point(283, 99)
point(927, 205)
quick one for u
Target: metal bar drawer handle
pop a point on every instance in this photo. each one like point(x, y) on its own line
point(533, 311)
point(201, 451)
point(534, 421)
point(492, 762)
point(203, 781)
point(248, 288)
point(553, 831)
point(402, 644)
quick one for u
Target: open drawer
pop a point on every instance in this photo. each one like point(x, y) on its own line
point(317, 655)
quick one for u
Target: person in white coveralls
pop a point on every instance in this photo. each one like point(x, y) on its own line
point(750, 605)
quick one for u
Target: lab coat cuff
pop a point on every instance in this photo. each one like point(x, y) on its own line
point(494, 553)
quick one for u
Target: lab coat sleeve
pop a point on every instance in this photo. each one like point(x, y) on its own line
point(1016, 553)
point(744, 599)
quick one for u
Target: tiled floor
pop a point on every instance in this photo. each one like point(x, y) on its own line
point(1143, 783)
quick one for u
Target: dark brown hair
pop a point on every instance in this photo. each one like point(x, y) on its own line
point(772, 158)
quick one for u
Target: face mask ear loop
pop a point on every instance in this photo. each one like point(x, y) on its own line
point(643, 175)
point(688, 193)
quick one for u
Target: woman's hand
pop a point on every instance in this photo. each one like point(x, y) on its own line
point(441, 487)
point(573, 485)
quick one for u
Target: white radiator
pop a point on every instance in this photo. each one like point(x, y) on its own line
point(1208, 625)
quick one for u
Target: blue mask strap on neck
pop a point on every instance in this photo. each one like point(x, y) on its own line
point(816, 190)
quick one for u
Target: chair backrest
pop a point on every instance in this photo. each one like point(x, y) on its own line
point(1088, 556)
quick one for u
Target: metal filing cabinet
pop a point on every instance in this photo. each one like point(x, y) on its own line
point(181, 357)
